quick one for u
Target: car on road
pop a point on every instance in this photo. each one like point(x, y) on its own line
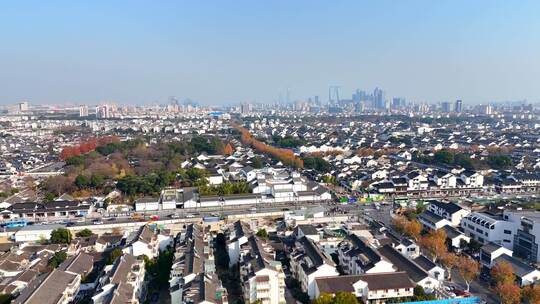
point(253, 209)
point(97, 222)
point(189, 215)
point(174, 216)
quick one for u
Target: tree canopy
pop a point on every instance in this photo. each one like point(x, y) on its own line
point(61, 236)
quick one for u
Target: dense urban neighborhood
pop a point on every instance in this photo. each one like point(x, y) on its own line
point(256, 204)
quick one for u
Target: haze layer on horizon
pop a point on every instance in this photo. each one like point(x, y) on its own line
point(220, 52)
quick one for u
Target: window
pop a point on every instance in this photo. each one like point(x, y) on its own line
point(507, 232)
point(506, 241)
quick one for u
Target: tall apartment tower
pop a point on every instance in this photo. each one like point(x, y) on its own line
point(458, 107)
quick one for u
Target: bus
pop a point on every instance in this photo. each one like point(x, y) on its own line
point(16, 223)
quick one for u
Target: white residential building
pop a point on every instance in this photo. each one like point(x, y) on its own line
point(450, 211)
point(309, 262)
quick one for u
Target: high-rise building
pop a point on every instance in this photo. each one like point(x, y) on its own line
point(23, 106)
point(446, 106)
point(458, 106)
point(379, 98)
point(245, 108)
point(103, 111)
point(398, 102)
point(83, 111)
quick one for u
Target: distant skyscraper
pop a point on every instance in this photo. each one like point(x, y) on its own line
point(379, 98)
point(23, 106)
point(398, 102)
point(83, 111)
point(486, 109)
point(103, 111)
point(245, 108)
point(446, 106)
point(458, 106)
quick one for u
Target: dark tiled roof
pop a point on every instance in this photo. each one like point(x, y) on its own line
point(402, 263)
point(375, 281)
point(520, 269)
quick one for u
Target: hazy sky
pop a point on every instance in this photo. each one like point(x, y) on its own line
point(234, 51)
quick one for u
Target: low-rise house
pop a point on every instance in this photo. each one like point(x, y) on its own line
point(525, 274)
point(261, 275)
point(432, 221)
point(455, 237)
point(308, 231)
point(357, 257)
point(415, 272)
point(450, 211)
point(430, 267)
point(57, 287)
point(108, 241)
point(309, 262)
point(472, 179)
point(123, 282)
point(371, 288)
point(193, 278)
point(490, 252)
point(402, 244)
point(81, 264)
point(144, 243)
point(237, 237)
point(18, 283)
point(35, 233)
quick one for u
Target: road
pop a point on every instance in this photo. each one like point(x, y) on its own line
point(127, 217)
point(477, 288)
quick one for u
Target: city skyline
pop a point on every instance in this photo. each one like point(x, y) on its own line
point(218, 54)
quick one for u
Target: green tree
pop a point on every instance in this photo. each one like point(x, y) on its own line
point(499, 162)
point(345, 298)
point(262, 233)
point(49, 197)
point(113, 255)
point(421, 295)
point(256, 163)
point(195, 173)
point(324, 298)
point(84, 233)
point(81, 181)
point(5, 298)
point(317, 163)
point(444, 156)
point(61, 236)
point(96, 181)
point(57, 259)
point(75, 161)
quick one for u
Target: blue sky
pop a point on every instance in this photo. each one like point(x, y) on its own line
point(221, 52)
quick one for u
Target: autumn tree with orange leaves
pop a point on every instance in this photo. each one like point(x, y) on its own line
point(411, 228)
point(228, 149)
point(505, 283)
point(503, 272)
point(285, 155)
point(468, 269)
point(531, 294)
point(86, 146)
point(434, 243)
point(509, 293)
